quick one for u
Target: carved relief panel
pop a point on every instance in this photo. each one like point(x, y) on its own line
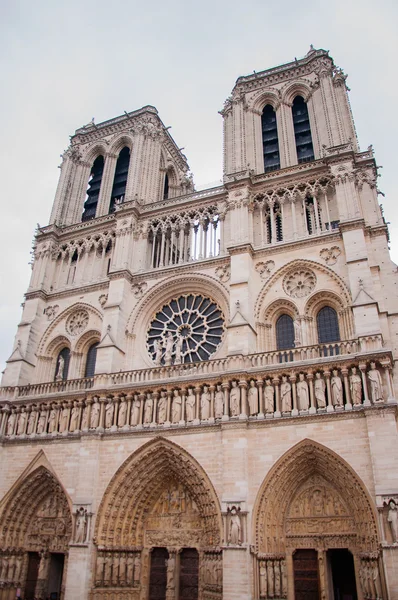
point(51, 528)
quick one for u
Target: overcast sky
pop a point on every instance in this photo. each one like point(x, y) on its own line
point(63, 63)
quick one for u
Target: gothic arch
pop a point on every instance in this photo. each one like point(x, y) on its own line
point(139, 482)
point(120, 141)
point(322, 298)
point(357, 529)
point(297, 88)
point(94, 150)
point(86, 339)
point(261, 99)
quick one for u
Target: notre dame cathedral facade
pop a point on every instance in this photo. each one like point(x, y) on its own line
point(201, 398)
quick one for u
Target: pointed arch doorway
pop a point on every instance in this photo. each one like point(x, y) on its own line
point(312, 515)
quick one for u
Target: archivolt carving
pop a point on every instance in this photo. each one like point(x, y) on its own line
point(311, 482)
point(300, 87)
point(138, 491)
point(88, 338)
point(298, 265)
point(77, 322)
point(300, 283)
point(37, 517)
point(264, 97)
point(281, 306)
point(120, 141)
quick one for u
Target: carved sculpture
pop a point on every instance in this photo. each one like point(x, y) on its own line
point(235, 528)
point(135, 411)
point(121, 417)
point(303, 393)
point(299, 283)
point(176, 407)
point(168, 353)
point(355, 387)
point(320, 391)
point(137, 569)
point(158, 347)
point(64, 420)
point(205, 403)
point(109, 410)
point(95, 414)
point(148, 410)
point(31, 422)
point(392, 518)
point(41, 425)
point(337, 389)
point(219, 402)
point(286, 395)
point(52, 421)
point(11, 422)
point(74, 420)
point(77, 322)
point(190, 403)
point(297, 333)
point(22, 422)
point(81, 525)
point(234, 399)
point(253, 398)
point(60, 369)
point(376, 384)
point(178, 349)
point(162, 408)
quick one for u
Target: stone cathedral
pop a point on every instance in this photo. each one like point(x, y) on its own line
point(200, 403)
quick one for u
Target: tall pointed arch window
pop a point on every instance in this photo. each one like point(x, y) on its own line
point(90, 360)
point(328, 325)
point(120, 179)
point(62, 365)
point(166, 187)
point(302, 130)
point(270, 139)
point(284, 333)
point(93, 190)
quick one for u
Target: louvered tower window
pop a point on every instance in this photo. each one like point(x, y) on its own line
point(90, 361)
point(93, 190)
point(270, 139)
point(284, 333)
point(166, 187)
point(62, 365)
point(328, 325)
point(302, 130)
point(120, 179)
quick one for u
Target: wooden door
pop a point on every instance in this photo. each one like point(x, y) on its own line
point(158, 574)
point(306, 580)
point(31, 577)
point(189, 574)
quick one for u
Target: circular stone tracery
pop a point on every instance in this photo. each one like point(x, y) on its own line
point(193, 319)
point(299, 283)
point(77, 322)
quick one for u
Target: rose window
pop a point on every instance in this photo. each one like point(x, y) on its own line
point(187, 329)
point(77, 322)
point(299, 283)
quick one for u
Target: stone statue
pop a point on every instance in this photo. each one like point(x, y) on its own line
point(190, 403)
point(286, 395)
point(109, 410)
point(158, 347)
point(135, 411)
point(270, 577)
point(52, 421)
point(263, 580)
point(121, 417)
point(60, 369)
point(148, 409)
point(31, 422)
point(64, 421)
point(337, 389)
point(320, 391)
point(178, 349)
point(41, 425)
point(234, 530)
point(392, 519)
point(234, 399)
point(176, 407)
point(162, 407)
point(107, 568)
point(95, 415)
point(284, 578)
point(219, 402)
point(122, 569)
point(18, 568)
point(205, 404)
point(81, 522)
point(22, 422)
point(4, 568)
point(355, 387)
point(297, 333)
point(85, 418)
point(168, 353)
point(253, 398)
point(137, 569)
point(130, 569)
point(171, 564)
point(277, 579)
point(74, 420)
point(11, 422)
point(303, 393)
point(376, 384)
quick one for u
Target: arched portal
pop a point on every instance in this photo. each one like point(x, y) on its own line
point(159, 510)
point(35, 531)
point(311, 507)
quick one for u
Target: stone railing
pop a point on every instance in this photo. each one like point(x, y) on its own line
point(344, 384)
point(318, 352)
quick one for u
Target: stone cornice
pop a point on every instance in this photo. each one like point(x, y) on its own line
point(67, 293)
point(325, 237)
point(352, 224)
point(241, 249)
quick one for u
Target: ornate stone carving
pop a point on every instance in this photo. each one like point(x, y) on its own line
point(77, 322)
point(139, 289)
point(205, 403)
point(102, 299)
point(223, 273)
point(234, 399)
point(219, 400)
point(299, 283)
point(330, 255)
point(265, 268)
point(320, 391)
point(234, 526)
point(376, 384)
point(190, 405)
point(303, 395)
point(51, 311)
point(286, 395)
point(337, 389)
point(392, 519)
point(252, 397)
point(355, 387)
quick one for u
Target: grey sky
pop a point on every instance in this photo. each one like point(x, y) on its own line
point(64, 62)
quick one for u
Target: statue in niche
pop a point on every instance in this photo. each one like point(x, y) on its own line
point(107, 568)
point(21, 422)
point(115, 568)
point(109, 410)
point(320, 391)
point(130, 569)
point(60, 369)
point(286, 395)
point(190, 403)
point(168, 352)
point(31, 422)
point(176, 407)
point(253, 398)
point(219, 402)
point(376, 384)
point(74, 420)
point(148, 409)
point(4, 568)
point(235, 529)
point(158, 347)
point(355, 387)
point(52, 421)
point(270, 577)
point(303, 393)
point(122, 569)
point(41, 425)
point(337, 389)
point(95, 414)
point(284, 578)
point(277, 579)
point(234, 399)
point(178, 350)
point(64, 420)
point(121, 418)
point(297, 333)
point(171, 566)
point(137, 569)
point(392, 518)
point(135, 411)
point(205, 404)
point(18, 568)
point(162, 407)
point(81, 524)
point(11, 422)
point(263, 579)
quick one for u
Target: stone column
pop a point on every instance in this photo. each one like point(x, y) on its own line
point(275, 383)
point(168, 412)
point(310, 378)
point(293, 380)
point(197, 391)
point(348, 405)
point(155, 397)
point(42, 577)
point(116, 401)
point(330, 407)
point(212, 389)
point(89, 403)
point(102, 401)
point(243, 400)
point(129, 399)
point(261, 399)
point(362, 368)
point(225, 388)
point(142, 403)
point(171, 575)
